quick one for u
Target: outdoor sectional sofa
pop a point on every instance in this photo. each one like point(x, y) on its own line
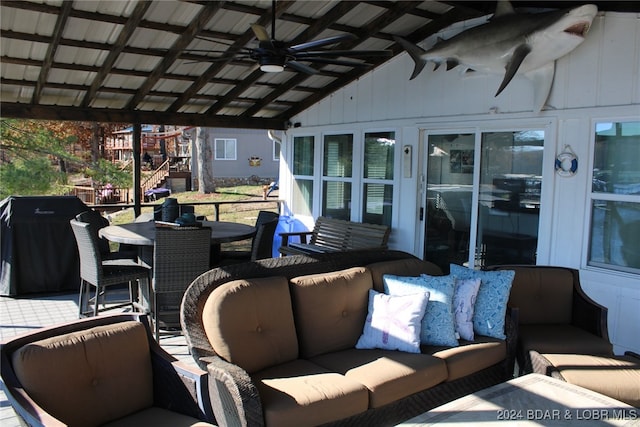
point(277, 338)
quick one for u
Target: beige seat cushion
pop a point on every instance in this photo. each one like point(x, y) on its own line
point(89, 377)
point(250, 323)
point(330, 309)
point(614, 376)
point(401, 267)
point(561, 339)
point(470, 356)
point(157, 417)
point(301, 393)
point(388, 375)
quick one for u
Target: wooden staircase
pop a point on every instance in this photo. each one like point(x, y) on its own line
point(157, 178)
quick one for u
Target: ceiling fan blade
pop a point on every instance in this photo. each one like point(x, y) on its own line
point(192, 59)
point(355, 53)
point(301, 67)
point(213, 40)
point(333, 61)
point(240, 51)
point(323, 42)
point(260, 32)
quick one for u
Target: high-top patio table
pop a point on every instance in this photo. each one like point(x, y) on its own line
point(144, 233)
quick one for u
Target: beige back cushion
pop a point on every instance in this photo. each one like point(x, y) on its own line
point(89, 377)
point(401, 267)
point(330, 309)
point(543, 295)
point(250, 323)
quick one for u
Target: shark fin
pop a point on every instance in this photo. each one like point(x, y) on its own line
point(503, 8)
point(518, 56)
point(415, 52)
point(542, 79)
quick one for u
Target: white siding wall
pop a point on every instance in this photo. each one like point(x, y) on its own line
point(599, 80)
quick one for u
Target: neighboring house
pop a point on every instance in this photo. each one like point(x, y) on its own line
point(239, 155)
point(463, 176)
point(242, 155)
point(160, 142)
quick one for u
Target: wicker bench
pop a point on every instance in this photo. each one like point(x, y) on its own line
point(336, 235)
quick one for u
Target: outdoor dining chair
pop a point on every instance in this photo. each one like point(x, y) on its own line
point(104, 276)
point(180, 255)
point(261, 244)
point(97, 222)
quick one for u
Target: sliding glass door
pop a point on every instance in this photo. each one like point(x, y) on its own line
point(483, 197)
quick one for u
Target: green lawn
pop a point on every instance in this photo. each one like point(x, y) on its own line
point(241, 212)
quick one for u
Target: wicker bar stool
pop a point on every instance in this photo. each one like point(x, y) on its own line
point(180, 255)
point(104, 275)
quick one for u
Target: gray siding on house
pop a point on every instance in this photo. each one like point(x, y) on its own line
point(249, 143)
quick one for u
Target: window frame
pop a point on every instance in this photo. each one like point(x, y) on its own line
point(379, 181)
point(352, 179)
point(306, 178)
point(225, 140)
point(594, 196)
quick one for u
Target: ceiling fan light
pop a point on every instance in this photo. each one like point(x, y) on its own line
point(271, 64)
point(272, 68)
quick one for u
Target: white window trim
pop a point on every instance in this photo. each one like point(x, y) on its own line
point(215, 150)
point(591, 196)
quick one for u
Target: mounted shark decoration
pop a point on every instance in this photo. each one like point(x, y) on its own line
point(511, 43)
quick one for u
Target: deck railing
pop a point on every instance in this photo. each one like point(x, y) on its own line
point(216, 205)
point(104, 195)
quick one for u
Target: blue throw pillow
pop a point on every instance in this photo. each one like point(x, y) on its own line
point(438, 324)
point(393, 322)
point(491, 302)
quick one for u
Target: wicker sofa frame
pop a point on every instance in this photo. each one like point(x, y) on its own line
point(234, 397)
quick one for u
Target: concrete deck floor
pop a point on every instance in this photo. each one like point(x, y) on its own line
point(19, 315)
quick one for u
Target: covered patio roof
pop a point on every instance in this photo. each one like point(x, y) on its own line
point(150, 61)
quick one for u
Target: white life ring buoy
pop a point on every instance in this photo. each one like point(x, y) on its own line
point(566, 163)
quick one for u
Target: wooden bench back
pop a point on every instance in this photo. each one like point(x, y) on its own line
point(344, 235)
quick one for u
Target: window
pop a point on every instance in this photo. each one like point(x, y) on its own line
point(276, 150)
point(337, 176)
point(614, 226)
point(225, 148)
point(303, 152)
point(379, 149)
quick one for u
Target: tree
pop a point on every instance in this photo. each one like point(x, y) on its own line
point(204, 154)
point(36, 156)
point(29, 156)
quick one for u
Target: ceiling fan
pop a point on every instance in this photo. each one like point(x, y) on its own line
point(273, 56)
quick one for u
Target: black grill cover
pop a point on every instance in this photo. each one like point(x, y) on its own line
point(39, 252)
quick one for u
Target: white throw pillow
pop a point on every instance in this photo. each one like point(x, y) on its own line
point(464, 300)
point(393, 322)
